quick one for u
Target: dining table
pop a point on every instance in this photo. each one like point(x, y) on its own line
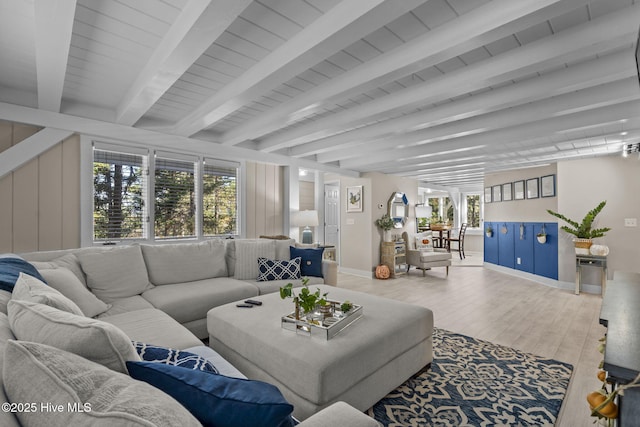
point(443, 234)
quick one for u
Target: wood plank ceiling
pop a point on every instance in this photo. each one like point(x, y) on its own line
point(443, 91)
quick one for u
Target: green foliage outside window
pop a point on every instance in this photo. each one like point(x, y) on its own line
point(473, 210)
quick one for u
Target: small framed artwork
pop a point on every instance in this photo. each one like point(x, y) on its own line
point(354, 198)
point(518, 190)
point(487, 194)
point(496, 193)
point(507, 194)
point(532, 188)
point(548, 186)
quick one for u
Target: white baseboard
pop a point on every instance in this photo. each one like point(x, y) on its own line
point(355, 272)
point(569, 286)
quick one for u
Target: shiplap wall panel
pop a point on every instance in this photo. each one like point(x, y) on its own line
point(71, 192)
point(41, 199)
point(50, 199)
point(25, 207)
point(6, 214)
point(250, 226)
point(265, 199)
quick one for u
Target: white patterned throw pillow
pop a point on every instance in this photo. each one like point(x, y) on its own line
point(424, 241)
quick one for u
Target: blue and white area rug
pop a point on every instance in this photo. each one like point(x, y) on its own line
point(477, 383)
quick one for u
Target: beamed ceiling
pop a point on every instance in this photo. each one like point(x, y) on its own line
point(443, 91)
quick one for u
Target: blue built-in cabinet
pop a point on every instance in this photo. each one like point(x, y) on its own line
point(515, 245)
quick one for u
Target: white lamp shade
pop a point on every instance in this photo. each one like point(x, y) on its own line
point(304, 219)
point(423, 211)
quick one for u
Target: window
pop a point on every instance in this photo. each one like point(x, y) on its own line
point(473, 210)
point(219, 198)
point(174, 198)
point(441, 209)
point(119, 189)
point(161, 196)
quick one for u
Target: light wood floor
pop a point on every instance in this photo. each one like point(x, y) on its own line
point(511, 311)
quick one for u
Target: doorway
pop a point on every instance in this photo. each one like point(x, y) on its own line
point(332, 217)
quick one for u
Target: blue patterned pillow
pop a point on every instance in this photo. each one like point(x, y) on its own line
point(216, 400)
point(278, 269)
point(171, 356)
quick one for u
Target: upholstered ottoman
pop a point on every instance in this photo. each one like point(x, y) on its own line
point(389, 343)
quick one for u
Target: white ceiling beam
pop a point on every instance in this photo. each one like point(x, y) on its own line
point(14, 157)
point(602, 70)
point(615, 28)
point(53, 28)
point(438, 45)
point(342, 25)
point(199, 24)
point(128, 134)
point(582, 100)
point(415, 154)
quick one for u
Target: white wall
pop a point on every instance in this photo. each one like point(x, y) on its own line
point(582, 184)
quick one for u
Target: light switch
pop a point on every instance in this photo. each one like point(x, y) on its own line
point(351, 221)
point(630, 222)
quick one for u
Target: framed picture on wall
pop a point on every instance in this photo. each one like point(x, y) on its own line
point(354, 198)
point(496, 193)
point(518, 190)
point(532, 188)
point(487, 194)
point(506, 192)
point(548, 186)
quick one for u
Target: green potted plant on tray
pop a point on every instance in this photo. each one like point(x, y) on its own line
point(583, 230)
point(305, 300)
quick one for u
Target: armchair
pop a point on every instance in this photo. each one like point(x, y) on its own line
point(425, 259)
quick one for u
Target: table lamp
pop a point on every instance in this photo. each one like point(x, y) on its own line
point(305, 219)
point(423, 211)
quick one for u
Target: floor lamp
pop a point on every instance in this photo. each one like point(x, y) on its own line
point(305, 219)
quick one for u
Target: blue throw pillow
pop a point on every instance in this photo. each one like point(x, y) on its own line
point(216, 400)
point(11, 267)
point(171, 356)
point(311, 264)
point(271, 269)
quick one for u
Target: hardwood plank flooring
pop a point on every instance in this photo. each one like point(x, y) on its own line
point(511, 311)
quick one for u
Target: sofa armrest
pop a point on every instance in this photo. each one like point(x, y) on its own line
point(330, 272)
point(339, 414)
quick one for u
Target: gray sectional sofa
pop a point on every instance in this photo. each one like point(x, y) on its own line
point(160, 294)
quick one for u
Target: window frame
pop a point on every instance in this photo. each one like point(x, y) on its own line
point(87, 190)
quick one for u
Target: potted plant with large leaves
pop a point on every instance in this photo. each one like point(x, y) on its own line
point(583, 230)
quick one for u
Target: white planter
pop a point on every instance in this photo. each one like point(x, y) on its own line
point(542, 239)
point(582, 246)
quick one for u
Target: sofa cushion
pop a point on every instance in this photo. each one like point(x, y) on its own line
point(424, 241)
point(125, 305)
point(39, 373)
point(185, 262)
point(311, 264)
point(271, 269)
point(275, 285)
point(29, 288)
point(282, 248)
point(247, 253)
point(216, 400)
point(191, 301)
point(116, 273)
point(222, 365)
point(10, 268)
point(426, 256)
point(7, 419)
point(5, 297)
point(92, 339)
point(65, 281)
point(153, 326)
point(68, 261)
point(172, 356)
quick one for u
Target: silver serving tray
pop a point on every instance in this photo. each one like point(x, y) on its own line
point(326, 328)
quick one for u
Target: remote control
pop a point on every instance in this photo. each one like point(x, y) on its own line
point(244, 305)
point(253, 302)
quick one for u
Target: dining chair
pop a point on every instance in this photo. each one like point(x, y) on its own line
point(459, 240)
